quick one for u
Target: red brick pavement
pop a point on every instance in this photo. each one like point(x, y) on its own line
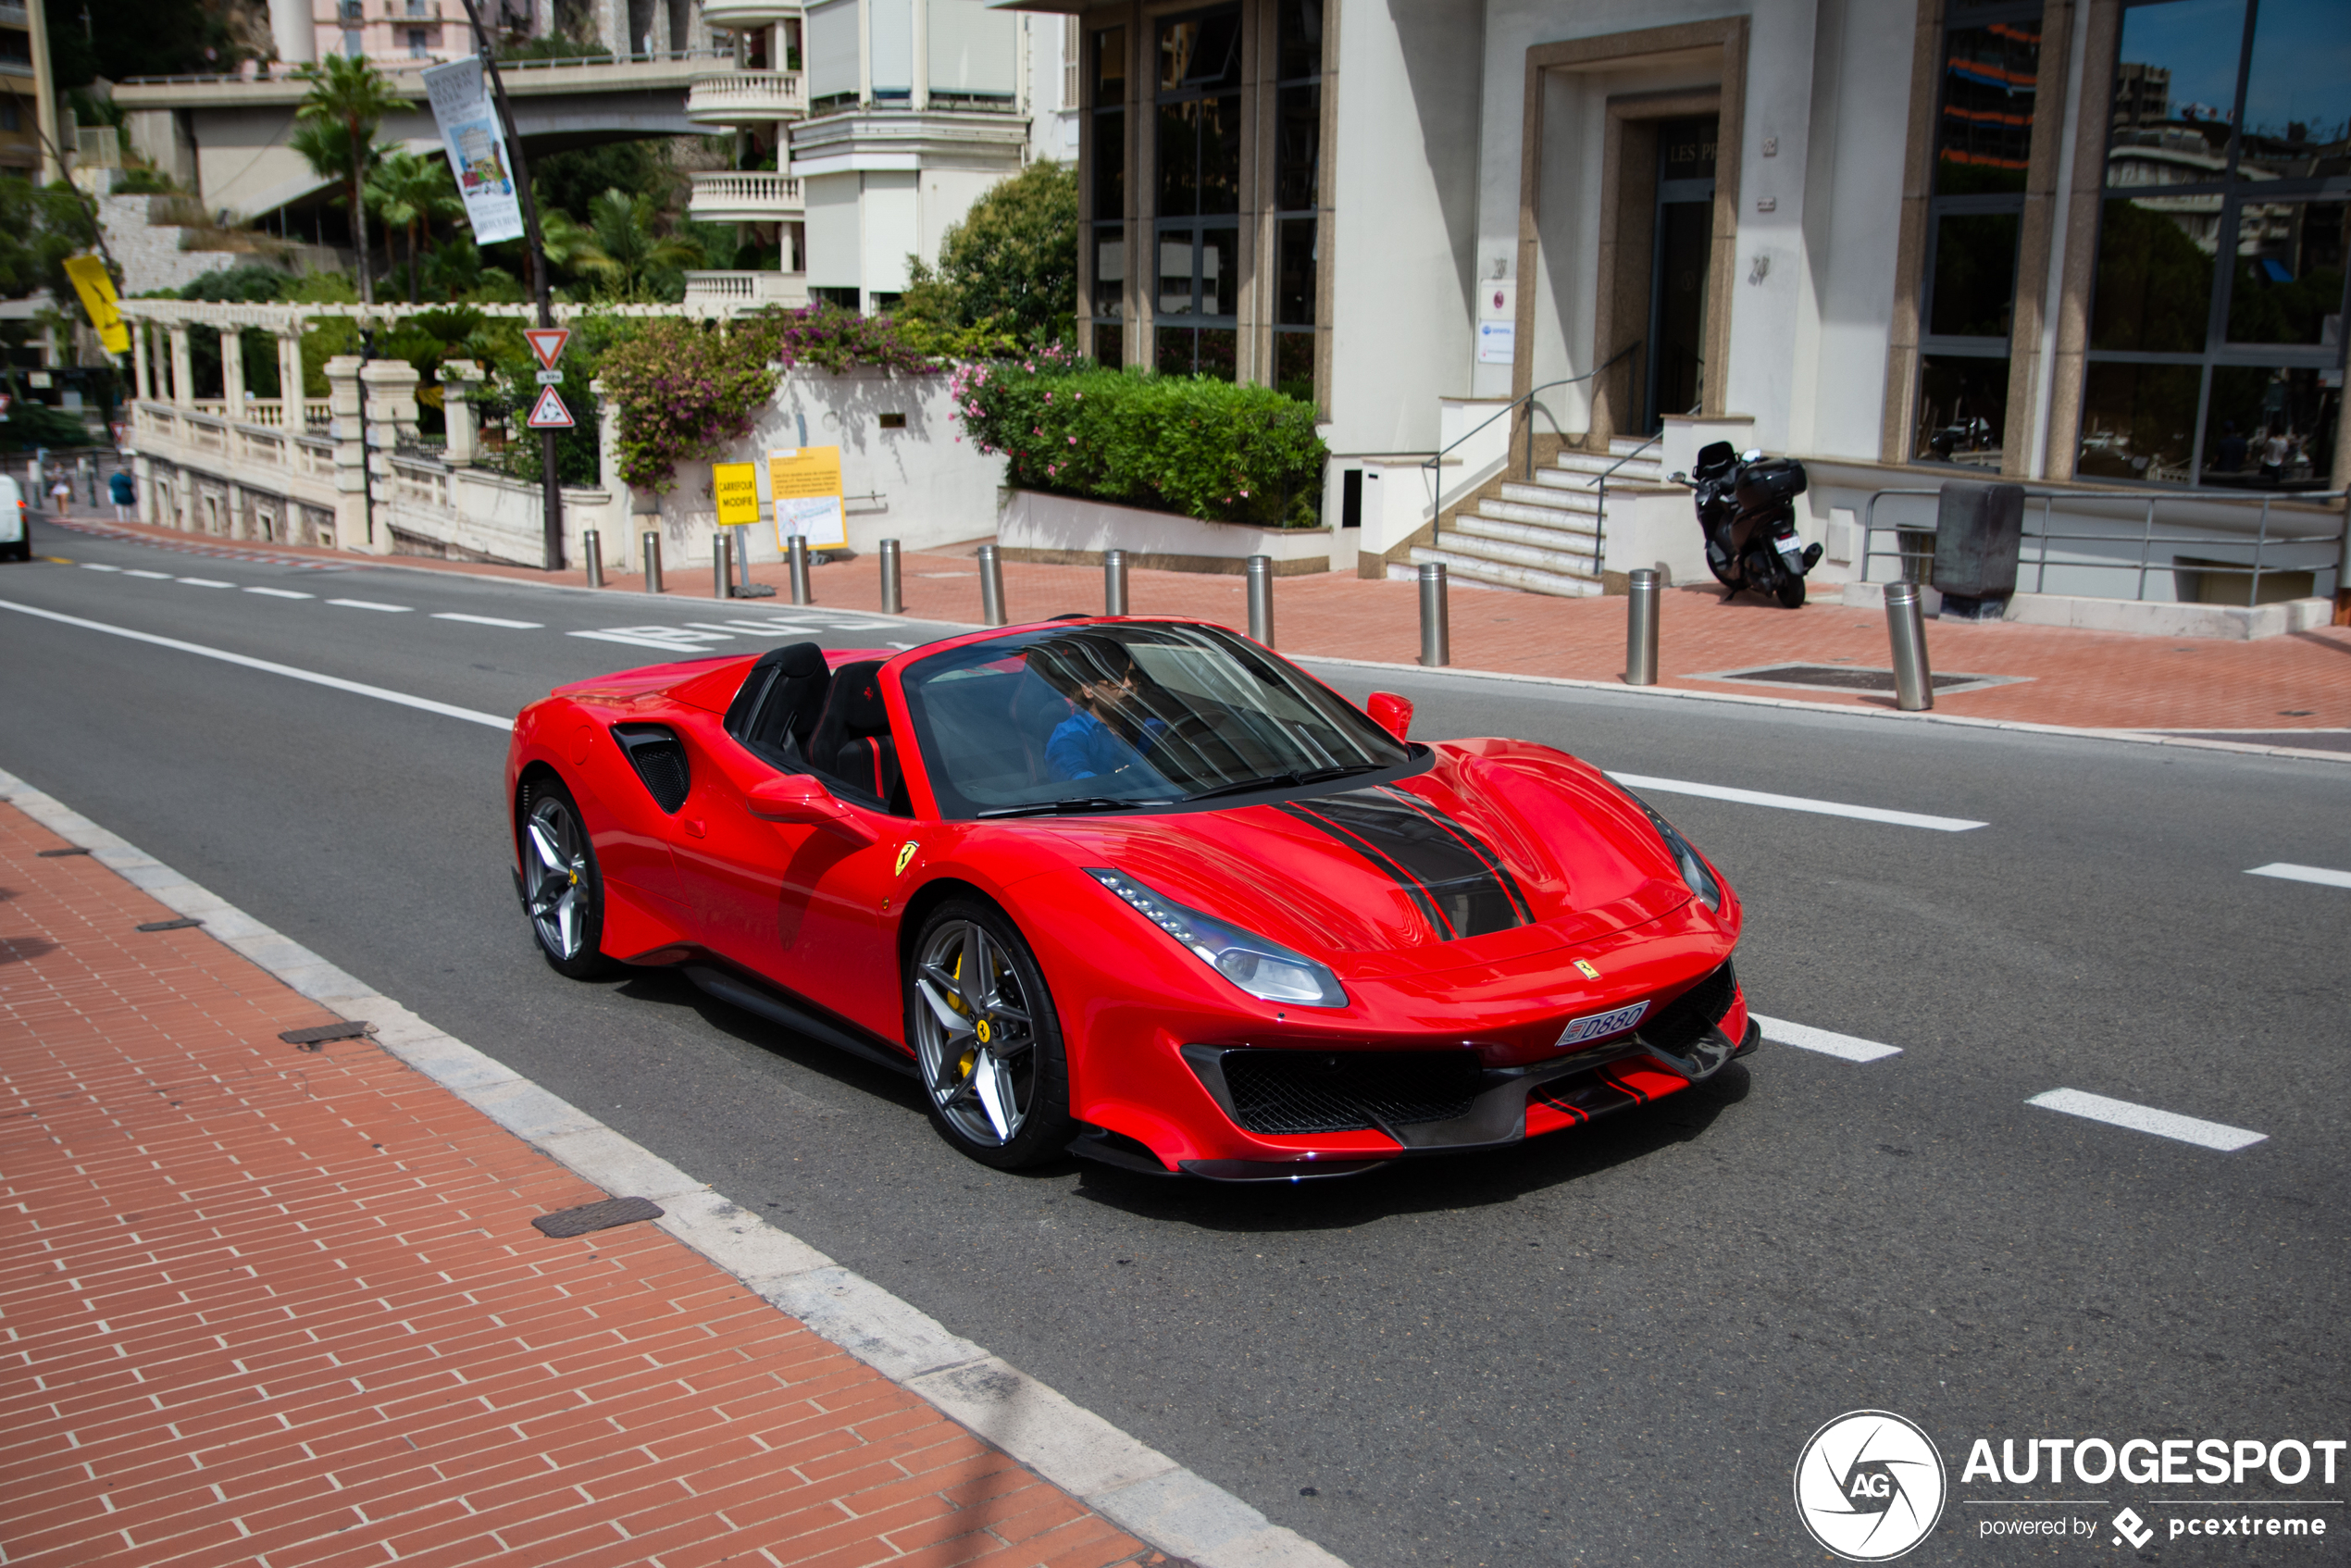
point(2087, 680)
point(267, 1306)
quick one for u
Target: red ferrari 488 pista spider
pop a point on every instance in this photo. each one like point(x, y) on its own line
point(1134, 889)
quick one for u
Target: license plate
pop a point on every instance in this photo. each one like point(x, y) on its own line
point(1597, 1026)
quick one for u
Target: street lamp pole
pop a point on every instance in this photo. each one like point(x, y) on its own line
point(550, 485)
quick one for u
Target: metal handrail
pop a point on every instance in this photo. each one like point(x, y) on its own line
point(1436, 493)
point(2261, 540)
point(1600, 517)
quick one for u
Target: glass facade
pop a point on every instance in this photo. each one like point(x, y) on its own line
point(1298, 168)
point(1197, 195)
point(1106, 104)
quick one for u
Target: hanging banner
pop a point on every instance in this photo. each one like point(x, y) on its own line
point(805, 482)
point(476, 148)
point(90, 281)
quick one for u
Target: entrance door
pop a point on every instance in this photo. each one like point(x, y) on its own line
point(1683, 248)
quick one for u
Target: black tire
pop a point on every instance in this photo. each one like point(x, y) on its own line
point(986, 1039)
point(563, 890)
point(1790, 592)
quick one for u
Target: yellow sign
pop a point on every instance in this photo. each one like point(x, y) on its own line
point(736, 487)
point(805, 482)
point(90, 281)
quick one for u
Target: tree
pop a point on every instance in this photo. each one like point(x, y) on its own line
point(39, 229)
point(1010, 265)
point(624, 250)
point(336, 134)
point(409, 190)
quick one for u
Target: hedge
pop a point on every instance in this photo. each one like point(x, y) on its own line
point(1203, 448)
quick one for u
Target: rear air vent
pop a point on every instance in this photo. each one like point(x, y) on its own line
point(660, 761)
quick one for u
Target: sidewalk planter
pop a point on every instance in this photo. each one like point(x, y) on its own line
point(1065, 530)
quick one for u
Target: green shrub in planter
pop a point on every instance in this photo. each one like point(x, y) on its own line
point(1172, 443)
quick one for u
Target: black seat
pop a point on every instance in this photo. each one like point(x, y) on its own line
point(775, 713)
point(851, 744)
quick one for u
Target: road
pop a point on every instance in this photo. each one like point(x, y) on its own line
point(1604, 1347)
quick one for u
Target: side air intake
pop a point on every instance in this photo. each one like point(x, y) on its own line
point(659, 758)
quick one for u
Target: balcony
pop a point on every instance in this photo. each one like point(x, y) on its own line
point(744, 198)
point(727, 292)
point(747, 97)
point(740, 16)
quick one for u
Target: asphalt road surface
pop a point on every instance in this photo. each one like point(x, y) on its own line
point(1609, 1346)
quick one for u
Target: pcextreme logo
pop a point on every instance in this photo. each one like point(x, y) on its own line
point(1869, 1485)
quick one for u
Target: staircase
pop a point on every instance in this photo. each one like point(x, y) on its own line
point(1544, 536)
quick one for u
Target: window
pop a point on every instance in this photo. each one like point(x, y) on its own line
point(1107, 257)
point(1298, 167)
point(1195, 260)
point(1976, 216)
point(2216, 342)
point(417, 48)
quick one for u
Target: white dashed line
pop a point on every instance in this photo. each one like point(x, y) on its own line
point(487, 620)
point(2142, 1118)
point(97, 567)
point(1796, 803)
point(205, 583)
point(2318, 874)
point(282, 593)
point(371, 604)
point(668, 639)
point(157, 576)
point(1845, 1047)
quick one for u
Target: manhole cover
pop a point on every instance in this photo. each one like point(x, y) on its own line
point(1850, 678)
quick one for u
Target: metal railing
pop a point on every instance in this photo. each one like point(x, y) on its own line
point(2262, 540)
point(1435, 492)
point(1600, 517)
point(393, 65)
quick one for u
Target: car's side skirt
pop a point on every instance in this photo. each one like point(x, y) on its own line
point(759, 996)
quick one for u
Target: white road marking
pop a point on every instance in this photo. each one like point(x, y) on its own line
point(2142, 1118)
point(371, 604)
point(1850, 1048)
point(206, 582)
point(668, 639)
point(1796, 803)
point(135, 571)
point(487, 620)
point(424, 703)
point(2318, 874)
point(97, 567)
point(282, 593)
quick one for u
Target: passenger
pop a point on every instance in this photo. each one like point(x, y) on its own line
point(1099, 676)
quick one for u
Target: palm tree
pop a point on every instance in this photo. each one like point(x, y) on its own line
point(336, 134)
point(410, 190)
point(622, 248)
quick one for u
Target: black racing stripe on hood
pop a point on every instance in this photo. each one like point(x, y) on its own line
point(1462, 886)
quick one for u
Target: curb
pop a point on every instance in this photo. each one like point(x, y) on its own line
point(1135, 1487)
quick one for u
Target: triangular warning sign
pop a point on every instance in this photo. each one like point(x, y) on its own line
point(549, 413)
point(547, 342)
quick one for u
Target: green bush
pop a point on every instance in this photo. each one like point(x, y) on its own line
point(1207, 449)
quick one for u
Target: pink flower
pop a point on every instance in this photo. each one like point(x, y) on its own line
point(1072, 440)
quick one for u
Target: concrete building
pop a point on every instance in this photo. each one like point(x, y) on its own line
point(29, 129)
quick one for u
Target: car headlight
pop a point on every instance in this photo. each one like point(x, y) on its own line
point(1694, 871)
point(1260, 968)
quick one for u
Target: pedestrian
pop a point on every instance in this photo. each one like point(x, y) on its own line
point(2274, 453)
point(62, 496)
point(2232, 449)
point(125, 494)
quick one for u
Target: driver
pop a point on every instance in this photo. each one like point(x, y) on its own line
point(1099, 676)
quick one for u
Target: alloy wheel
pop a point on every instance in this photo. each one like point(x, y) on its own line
point(975, 1035)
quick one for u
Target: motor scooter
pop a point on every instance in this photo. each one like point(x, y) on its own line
point(1745, 507)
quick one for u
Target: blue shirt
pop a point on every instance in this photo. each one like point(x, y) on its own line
point(120, 487)
point(1083, 747)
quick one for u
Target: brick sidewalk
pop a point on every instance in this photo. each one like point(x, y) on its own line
point(2085, 680)
point(274, 1306)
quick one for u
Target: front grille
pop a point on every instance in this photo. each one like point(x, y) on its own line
point(1681, 1023)
point(660, 761)
point(1309, 1091)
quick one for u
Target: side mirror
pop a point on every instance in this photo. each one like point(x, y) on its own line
point(1391, 713)
point(801, 799)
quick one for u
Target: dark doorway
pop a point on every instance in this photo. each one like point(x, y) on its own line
point(1677, 278)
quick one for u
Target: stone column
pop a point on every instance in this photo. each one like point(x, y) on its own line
point(459, 379)
point(290, 379)
point(351, 524)
point(232, 371)
point(392, 417)
point(183, 374)
point(142, 373)
point(142, 479)
point(617, 530)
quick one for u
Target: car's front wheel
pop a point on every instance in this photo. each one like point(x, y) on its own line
point(561, 890)
point(987, 1038)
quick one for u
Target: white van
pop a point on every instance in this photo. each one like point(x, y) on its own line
point(16, 532)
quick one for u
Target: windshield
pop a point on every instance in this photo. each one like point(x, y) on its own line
point(1118, 717)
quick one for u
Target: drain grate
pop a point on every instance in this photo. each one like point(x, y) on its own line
point(179, 925)
point(58, 854)
point(1850, 678)
point(601, 1215)
point(318, 1035)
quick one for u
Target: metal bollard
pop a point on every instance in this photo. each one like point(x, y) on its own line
point(1906, 623)
point(1260, 599)
point(893, 602)
point(1435, 634)
point(1114, 582)
point(652, 563)
point(722, 568)
point(800, 594)
point(592, 549)
point(1640, 630)
point(991, 587)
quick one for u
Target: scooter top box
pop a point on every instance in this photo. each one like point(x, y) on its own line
point(1769, 482)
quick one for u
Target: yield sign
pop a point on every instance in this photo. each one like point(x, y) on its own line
point(549, 413)
point(547, 342)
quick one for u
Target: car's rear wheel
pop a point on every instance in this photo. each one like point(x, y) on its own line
point(561, 890)
point(987, 1038)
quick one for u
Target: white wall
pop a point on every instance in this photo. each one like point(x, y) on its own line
point(833, 233)
point(891, 216)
